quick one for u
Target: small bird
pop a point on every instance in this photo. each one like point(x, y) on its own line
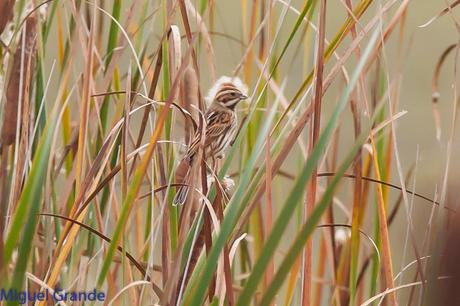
point(221, 128)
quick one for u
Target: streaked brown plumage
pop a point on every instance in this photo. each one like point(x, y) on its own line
point(221, 127)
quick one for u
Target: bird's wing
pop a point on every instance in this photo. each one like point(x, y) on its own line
point(217, 125)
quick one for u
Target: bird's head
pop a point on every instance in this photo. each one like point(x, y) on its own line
point(227, 92)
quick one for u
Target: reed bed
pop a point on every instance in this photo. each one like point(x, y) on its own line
point(99, 100)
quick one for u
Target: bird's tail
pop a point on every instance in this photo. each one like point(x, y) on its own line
point(183, 177)
point(181, 196)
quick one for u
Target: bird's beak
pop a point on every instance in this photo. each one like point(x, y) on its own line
point(243, 97)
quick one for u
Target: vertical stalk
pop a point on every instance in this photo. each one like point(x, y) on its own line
point(311, 188)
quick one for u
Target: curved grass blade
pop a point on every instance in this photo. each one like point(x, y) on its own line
point(113, 32)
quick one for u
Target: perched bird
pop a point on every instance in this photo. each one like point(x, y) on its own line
point(221, 128)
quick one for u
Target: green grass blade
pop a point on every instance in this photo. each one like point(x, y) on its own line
point(113, 31)
point(28, 206)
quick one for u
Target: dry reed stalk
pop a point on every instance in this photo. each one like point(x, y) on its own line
point(24, 54)
point(358, 167)
point(165, 225)
point(252, 33)
point(175, 53)
point(6, 9)
point(328, 241)
point(229, 292)
point(187, 9)
point(84, 108)
point(24, 130)
point(175, 286)
point(171, 285)
point(17, 94)
point(321, 269)
point(190, 93)
point(207, 223)
point(343, 274)
point(265, 40)
point(315, 124)
point(387, 268)
point(190, 98)
point(124, 177)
